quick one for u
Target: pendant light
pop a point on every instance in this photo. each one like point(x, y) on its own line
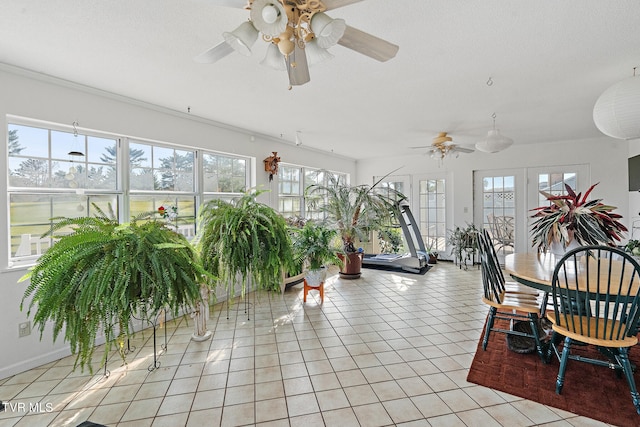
point(617, 111)
point(494, 141)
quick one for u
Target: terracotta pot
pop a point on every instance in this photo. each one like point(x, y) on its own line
point(351, 265)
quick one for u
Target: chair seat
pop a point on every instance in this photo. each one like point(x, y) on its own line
point(515, 287)
point(592, 324)
point(509, 301)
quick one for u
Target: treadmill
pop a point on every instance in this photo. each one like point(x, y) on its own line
point(413, 262)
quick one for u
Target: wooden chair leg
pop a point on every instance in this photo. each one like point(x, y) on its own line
point(322, 293)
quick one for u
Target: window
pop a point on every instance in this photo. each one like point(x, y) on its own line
point(290, 191)
point(433, 213)
point(554, 183)
point(54, 172)
point(163, 176)
point(292, 183)
point(224, 175)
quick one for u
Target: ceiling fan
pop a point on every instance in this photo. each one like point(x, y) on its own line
point(299, 34)
point(443, 146)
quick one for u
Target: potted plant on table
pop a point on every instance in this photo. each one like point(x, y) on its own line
point(573, 219)
point(245, 239)
point(100, 273)
point(354, 211)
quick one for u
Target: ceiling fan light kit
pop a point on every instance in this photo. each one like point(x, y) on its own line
point(299, 32)
point(617, 111)
point(242, 38)
point(327, 31)
point(269, 17)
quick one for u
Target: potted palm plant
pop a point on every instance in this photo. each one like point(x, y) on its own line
point(573, 218)
point(354, 211)
point(100, 273)
point(245, 239)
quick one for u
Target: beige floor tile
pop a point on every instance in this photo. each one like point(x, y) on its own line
point(372, 415)
point(208, 417)
point(477, 418)
point(361, 395)
point(299, 385)
point(430, 405)
point(269, 390)
point(239, 395)
point(402, 410)
point(37, 389)
point(170, 420)
point(109, 414)
point(140, 409)
point(388, 390)
point(302, 404)
point(238, 415)
point(507, 414)
point(176, 404)
point(272, 409)
point(325, 382)
point(457, 400)
point(332, 399)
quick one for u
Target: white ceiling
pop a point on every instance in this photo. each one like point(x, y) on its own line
point(549, 61)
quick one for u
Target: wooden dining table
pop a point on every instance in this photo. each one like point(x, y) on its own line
point(536, 270)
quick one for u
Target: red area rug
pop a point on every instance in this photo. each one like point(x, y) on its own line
point(593, 391)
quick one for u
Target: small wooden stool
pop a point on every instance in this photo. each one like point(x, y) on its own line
point(308, 288)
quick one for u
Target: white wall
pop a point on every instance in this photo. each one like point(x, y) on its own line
point(634, 196)
point(605, 157)
point(29, 95)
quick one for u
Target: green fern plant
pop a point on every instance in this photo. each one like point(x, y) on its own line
point(103, 272)
point(245, 239)
point(312, 243)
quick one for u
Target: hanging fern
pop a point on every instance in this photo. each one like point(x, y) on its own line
point(245, 239)
point(104, 272)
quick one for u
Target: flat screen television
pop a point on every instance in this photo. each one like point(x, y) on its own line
point(634, 173)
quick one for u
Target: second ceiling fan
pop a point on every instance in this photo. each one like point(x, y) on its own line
point(299, 34)
point(443, 146)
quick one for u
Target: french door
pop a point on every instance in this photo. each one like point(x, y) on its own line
point(499, 207)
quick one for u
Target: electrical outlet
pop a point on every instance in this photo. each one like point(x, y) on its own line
point(24, 329)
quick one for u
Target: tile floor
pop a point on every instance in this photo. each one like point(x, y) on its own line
point(386, 349)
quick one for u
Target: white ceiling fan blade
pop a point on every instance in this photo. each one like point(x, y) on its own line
point(214, 54)
point(334, 4)
point(240, 4)
point(367, 44)
point(297, 67)
point(463, 149)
